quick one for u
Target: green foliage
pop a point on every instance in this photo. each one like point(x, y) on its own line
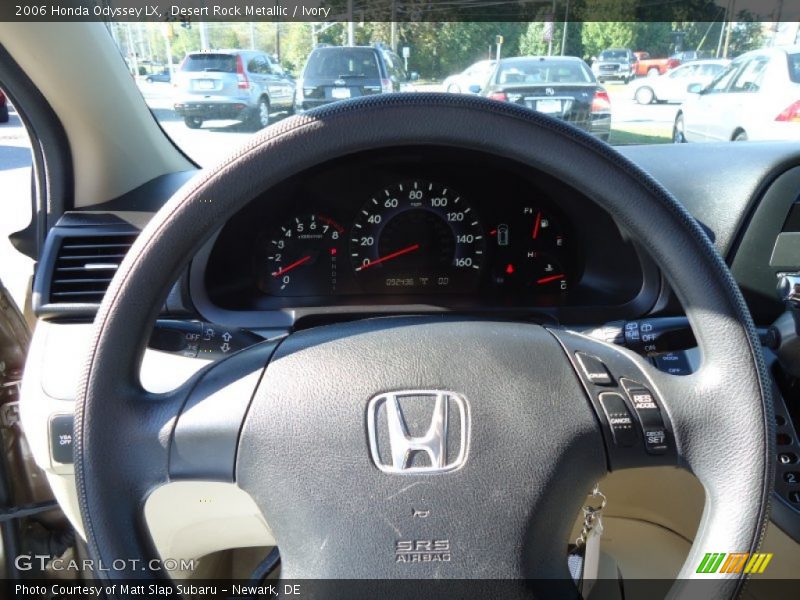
point(746, 35)
point(598, 36)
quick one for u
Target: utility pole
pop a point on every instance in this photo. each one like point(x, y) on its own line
point(552, 30)
point(564, 33)
point(351, 26)
point(167, 30)
point(393, 36)
point(134, 64)
point(278, 40)
point(201, 25)
point(252, 35)
point(731, 16)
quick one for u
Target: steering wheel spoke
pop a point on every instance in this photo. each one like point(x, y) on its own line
point(632, 411)
point(206, 434)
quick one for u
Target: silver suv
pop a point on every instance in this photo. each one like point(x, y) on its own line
point(244, 85)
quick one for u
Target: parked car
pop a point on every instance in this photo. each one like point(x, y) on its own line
point(756, 98)
point(3, 108)
point(162, 76)
point(563, 87)
point(336, 73)
point(244, 85)
point(672, 85)
point(464, 82)
point(653, 67)
point(691, 55)
point(615, 64)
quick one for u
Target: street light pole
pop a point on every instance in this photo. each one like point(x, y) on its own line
point(564, 33)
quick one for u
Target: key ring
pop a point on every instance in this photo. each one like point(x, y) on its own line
point(590, 514)
point(596, 493)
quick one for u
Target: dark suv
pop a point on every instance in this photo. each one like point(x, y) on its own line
point(3, 108)
point(337, 73)
point(245, 85)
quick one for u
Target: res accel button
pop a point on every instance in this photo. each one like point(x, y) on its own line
point(593, 369)
point(61, 438)
point(649, 414)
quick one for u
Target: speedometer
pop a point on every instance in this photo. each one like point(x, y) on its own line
point(417, 236)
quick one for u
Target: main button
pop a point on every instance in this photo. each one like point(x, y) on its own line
point(619, 418)
point(594, 369)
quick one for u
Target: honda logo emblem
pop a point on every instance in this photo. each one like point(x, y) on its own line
point(443, 444)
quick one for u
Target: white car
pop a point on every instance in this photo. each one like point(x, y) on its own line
point(756, 98)
point(465, 82)
point(672, 85)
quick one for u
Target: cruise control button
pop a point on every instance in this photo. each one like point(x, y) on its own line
point(623, 429)
point(594, 369)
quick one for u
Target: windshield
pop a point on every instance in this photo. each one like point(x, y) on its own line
point(533, 71)
point(613, 55)
point(342, 62)
point(794, 67)
point(223, 63)
point(211, 85)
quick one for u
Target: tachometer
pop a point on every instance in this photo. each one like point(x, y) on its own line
point(417, 236)
point(301, 257)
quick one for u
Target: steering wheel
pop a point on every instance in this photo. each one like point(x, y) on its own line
point(316, 427)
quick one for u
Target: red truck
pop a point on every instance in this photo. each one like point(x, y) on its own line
point(653, 66)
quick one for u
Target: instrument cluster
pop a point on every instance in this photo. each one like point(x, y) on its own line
point(413, 227)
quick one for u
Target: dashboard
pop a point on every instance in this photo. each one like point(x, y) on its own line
point(422, 227)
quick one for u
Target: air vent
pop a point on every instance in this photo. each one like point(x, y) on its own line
point(85, 265)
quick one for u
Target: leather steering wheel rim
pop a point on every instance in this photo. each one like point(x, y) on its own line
point(736, 469)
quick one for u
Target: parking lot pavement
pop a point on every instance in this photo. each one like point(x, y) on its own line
point(650, 122)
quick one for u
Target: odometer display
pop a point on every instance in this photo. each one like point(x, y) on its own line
point(417, 237)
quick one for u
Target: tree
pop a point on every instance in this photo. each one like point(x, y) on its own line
point(746, 34)
point(598, 36)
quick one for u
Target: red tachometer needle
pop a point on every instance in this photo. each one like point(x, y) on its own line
point(537, 224)
point(389, 257)
point(549, 278)
point(288, 268)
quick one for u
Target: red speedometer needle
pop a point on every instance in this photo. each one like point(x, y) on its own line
point(537, 224)
point(549, 278)
point(288, 268)
point(389, 257)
